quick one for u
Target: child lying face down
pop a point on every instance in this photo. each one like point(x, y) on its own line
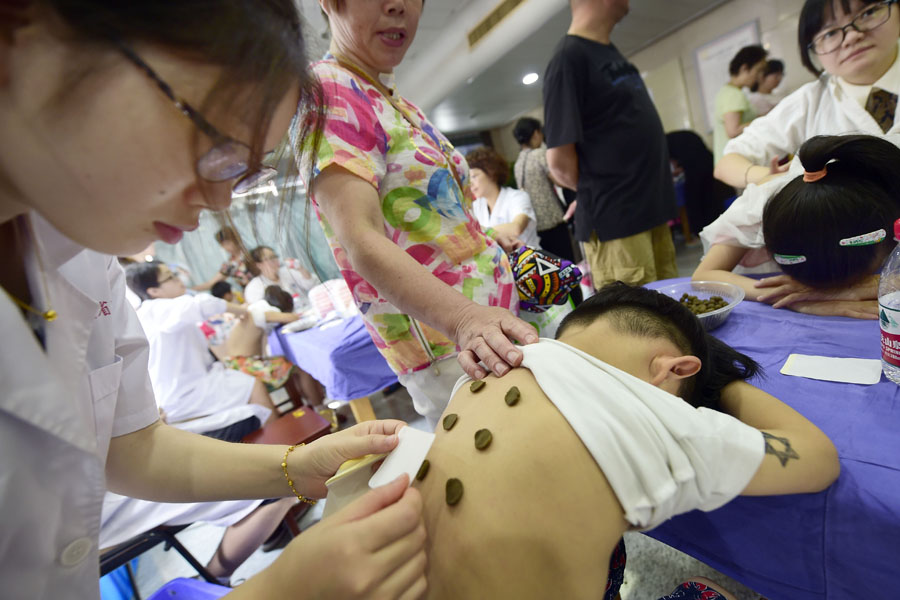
point(623, 422)
point(827, 227)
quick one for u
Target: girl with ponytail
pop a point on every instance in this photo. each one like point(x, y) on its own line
point(826, 226)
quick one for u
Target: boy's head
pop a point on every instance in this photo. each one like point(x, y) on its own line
point(222, 289)
point(833, 226)
point(151, 280)
point(657, 339)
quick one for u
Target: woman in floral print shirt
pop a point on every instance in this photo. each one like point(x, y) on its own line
point(393, 198)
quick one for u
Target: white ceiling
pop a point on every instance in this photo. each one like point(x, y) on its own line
point(486, 93)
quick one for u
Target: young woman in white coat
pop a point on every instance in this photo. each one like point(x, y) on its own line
point(851, 46)
point(119, 124)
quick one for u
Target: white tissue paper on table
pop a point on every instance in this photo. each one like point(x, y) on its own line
point(864, 371)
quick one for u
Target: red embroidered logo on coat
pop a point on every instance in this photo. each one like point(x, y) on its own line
point(104, 309)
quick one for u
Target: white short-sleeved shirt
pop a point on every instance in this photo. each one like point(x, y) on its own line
point(510, 204)
point(58, 410)
point(661, 456)
point(822, 107)
point(290, 280)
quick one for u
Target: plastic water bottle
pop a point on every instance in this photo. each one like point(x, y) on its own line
point(889, 312)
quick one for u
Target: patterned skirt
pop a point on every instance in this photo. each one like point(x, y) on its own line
point(272, 370)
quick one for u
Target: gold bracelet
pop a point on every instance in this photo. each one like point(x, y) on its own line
point(290, 481)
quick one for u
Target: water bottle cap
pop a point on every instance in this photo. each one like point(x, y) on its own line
point(897, 230)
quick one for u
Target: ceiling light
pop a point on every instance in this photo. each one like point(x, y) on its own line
point(530, 78)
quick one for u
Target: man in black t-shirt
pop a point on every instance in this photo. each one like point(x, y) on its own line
point(606, 141)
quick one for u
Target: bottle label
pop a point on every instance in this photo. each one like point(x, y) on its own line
point(890, 334)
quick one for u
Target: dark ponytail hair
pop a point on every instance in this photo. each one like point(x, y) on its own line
point(859, 194)
point(648, 313)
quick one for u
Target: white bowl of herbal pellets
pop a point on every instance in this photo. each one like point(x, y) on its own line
point(711, 301)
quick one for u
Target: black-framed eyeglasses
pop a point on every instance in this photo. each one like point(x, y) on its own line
point(228, 158)
point(872, 17)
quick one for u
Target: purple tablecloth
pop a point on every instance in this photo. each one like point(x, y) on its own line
point(839, 544)
point(340, 355)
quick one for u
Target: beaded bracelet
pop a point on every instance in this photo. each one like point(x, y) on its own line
point(290, 481)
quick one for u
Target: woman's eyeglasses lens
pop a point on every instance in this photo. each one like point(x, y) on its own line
point(873, 17)
point(224, 161)
point(254, 179)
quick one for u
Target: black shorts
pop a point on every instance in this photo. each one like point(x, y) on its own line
point(236, 431)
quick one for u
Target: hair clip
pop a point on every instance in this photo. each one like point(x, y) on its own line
point(810, 176)
point(866, 239)
point(789, 259)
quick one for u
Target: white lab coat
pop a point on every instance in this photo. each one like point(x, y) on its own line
point(58, 411)
point(741, 224)
point(821, 107)
point(510, 204)
point(187, 381)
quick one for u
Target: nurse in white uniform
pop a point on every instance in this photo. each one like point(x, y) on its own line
point(857, 51)
point(100, 148)
point(497, 207)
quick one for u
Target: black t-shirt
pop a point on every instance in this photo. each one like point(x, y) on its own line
point(594, 98)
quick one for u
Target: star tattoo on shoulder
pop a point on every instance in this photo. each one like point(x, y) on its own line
point(780, 447)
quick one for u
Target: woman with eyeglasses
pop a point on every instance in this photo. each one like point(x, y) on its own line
point(851, 46)
point(119, 124)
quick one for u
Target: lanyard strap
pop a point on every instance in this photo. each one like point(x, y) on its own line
point(445, 149)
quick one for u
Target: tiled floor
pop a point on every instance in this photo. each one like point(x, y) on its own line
point(654, 569)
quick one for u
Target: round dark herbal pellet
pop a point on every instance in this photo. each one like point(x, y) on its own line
point(454, 491)
point(476, 385)
point(483, 438)
point(450, 420)
point(512, 396)
point(423, 470)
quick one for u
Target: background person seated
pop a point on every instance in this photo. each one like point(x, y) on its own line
point(235, 267)
point(503, 209)
point(186, 382)
point(295, 281)
point(826, 225)
point(633, 416)
point(222, 289)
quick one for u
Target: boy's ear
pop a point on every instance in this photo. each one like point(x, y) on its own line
point(153, 292)
point(673, 367)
